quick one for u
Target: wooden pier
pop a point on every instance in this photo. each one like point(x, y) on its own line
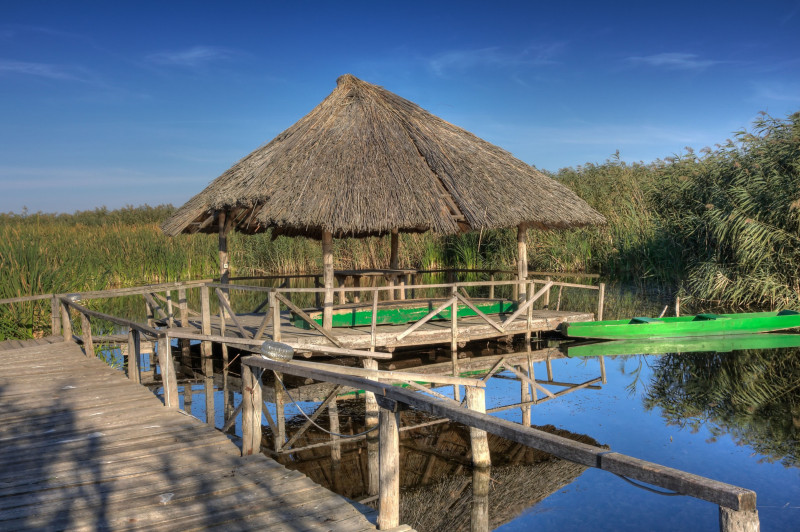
point(83, 447)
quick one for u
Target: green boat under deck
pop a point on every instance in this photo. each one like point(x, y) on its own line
point(400, 312)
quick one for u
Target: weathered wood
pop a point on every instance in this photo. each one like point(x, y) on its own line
point(480, 313)
point(327, 265)
point(280, 417)
point(738, 521)
point(66, 322)
point(154, 307)
point(275, 310)
point(312, 418)
point(300, 312)
point(696, 486)
point(522, 258)
point(336, 446)
point(416, 325)
point(374, 321)
point(251, 410)
point(524, 307)
point(389, 496)
point(86, 333)
point(55, 319)
point(223, 302)
point(479, 517)
point(119, 321)
point(370, 423)
point(391, 375)
point(134, 354)
point(168, 377)
point(601, 301)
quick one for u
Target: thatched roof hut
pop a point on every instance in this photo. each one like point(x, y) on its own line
point(366, 161)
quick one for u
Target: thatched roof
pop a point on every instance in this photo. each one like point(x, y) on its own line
point(365, 161)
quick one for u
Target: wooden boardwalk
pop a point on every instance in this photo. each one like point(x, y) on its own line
point(83, 448)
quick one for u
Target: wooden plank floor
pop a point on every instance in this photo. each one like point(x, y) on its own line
point(83, 448)
point(431, 333)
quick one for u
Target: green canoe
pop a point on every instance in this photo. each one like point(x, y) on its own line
point(400, 312)
point(699, 325)
point(720, 344)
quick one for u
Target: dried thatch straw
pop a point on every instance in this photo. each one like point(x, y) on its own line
point(366, 161)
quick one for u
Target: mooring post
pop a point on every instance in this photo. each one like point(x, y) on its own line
point(738, 520)
point(370, 422)
point(168, 379)
point(251, 409)
point(86, 333)
point(134, 352)
point(389, 498)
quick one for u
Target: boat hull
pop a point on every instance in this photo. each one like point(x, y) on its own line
point(685, 326)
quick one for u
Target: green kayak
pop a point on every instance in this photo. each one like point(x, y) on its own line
point(720, 344)
point(699, 325)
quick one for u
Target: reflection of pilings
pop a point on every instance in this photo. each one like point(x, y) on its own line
point(481, 477)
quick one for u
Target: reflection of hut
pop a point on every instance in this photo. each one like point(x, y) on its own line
point(435, 465)
point(368, 162)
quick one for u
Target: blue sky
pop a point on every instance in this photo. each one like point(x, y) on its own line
point(116, 103)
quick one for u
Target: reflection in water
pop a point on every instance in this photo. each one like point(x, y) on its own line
point(439, 488)
point(753, 395)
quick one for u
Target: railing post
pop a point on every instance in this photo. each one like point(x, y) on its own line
point(251, 409)
point(134, 354)
point(370, 422)
point(738, 520)
point(491, 286)
point(275, 306)
point(547, 295)
point(168, 379)
point(601, 301)
point(280, 415)
point(454, 340)
point(66, 323)
point(206, 354)
point(529, 321)
point(170, 314)
point(55, 320)
point(389, 498)
point(86, 333)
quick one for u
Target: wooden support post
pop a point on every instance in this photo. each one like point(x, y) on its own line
point(389, 497)
point(183, 307)
point(275, 308)
point(336, 446)
point(55, 318)
point(522, 258)
point(327, 273)
point(454, 340)
point(525, 397)
point(476, 401)
point(134, 354)
point(738, 520)
point(357, 284)
point(547, 294)
point(491, 286)
point(603, 370)
point(529, 317)
point(601, 301)
point(207, 353)
point(371, 421)
point(168, 379)
point(66, 323)
point(86, 333)
point(481, 479)
point(677, 307)
point(225, 223)
point(280, 420)
point(170, 313)
point(149, 312)
point(251, 410)
point(342, 293)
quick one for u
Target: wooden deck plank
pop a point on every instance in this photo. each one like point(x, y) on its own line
point(84, 448)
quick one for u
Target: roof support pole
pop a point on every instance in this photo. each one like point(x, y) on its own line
point(522, 258)
point(394, 260)
point(327, 277)
point(224, 266)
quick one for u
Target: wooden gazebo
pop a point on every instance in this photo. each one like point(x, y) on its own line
point(366, 162)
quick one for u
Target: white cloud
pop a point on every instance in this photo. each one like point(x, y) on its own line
point(494, 57)
point(42, 70)
point(192, 57)
point(675, 61)
point(779, 92)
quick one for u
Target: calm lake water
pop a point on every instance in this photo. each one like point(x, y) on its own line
point(730, 416)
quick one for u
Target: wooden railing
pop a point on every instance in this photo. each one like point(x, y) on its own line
point(737, 505)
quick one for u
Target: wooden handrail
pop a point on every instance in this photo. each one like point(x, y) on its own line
point(723, 494)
